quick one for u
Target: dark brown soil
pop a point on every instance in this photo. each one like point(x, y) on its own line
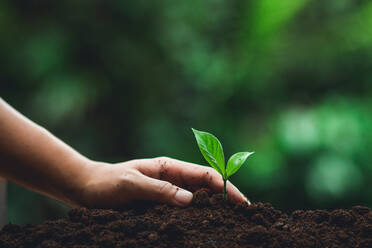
point(209, 222)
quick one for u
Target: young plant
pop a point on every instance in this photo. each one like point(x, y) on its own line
point(211, 149)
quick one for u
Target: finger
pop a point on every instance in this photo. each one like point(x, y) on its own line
point(162, 191)
point(182, 173)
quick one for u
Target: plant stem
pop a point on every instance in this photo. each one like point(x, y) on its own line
point(224, 190)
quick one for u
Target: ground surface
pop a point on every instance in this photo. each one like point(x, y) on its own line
point(209, 222)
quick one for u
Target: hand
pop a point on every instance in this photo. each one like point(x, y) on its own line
point(157, 179)
point(31, 156)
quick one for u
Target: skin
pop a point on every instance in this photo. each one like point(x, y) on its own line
point(34, 158)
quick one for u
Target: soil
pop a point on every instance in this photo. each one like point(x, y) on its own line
point(208, 222)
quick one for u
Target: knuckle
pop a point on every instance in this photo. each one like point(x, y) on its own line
point(162, 160)
point(135, 162)
point(208, 171)
point(129, 176)
point(163, 164)
point(207, 177)
point(165, 188)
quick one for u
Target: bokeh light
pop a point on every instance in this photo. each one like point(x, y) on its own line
point(290, 80)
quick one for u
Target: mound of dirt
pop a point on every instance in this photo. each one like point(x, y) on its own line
point(208, 222)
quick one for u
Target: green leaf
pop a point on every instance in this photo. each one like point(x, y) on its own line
point(211, 149)
point(236, 161)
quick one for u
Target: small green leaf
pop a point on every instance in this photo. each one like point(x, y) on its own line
point(236, 161)
point(211, 149)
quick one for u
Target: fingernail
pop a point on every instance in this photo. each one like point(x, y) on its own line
point(246, 199)
point(183, 197)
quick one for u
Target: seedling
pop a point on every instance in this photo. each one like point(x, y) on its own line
point(211, 149)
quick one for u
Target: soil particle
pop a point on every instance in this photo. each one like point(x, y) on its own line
point(208, 222)
point(341, 218)
point(153, 236)
point(361, 210)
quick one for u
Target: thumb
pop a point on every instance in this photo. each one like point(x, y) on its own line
point(165, 192)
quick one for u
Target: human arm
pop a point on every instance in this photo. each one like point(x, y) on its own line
point(34, 158)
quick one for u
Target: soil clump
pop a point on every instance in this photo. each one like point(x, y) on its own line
point(208, 222)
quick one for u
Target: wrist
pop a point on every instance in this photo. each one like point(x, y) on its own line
point(89, 175)
point(73, 194)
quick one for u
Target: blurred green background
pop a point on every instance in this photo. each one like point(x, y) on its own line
point(118, 80)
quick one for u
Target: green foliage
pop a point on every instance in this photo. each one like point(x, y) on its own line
point(211, 149)
point(235, 162)
point(292, 78)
